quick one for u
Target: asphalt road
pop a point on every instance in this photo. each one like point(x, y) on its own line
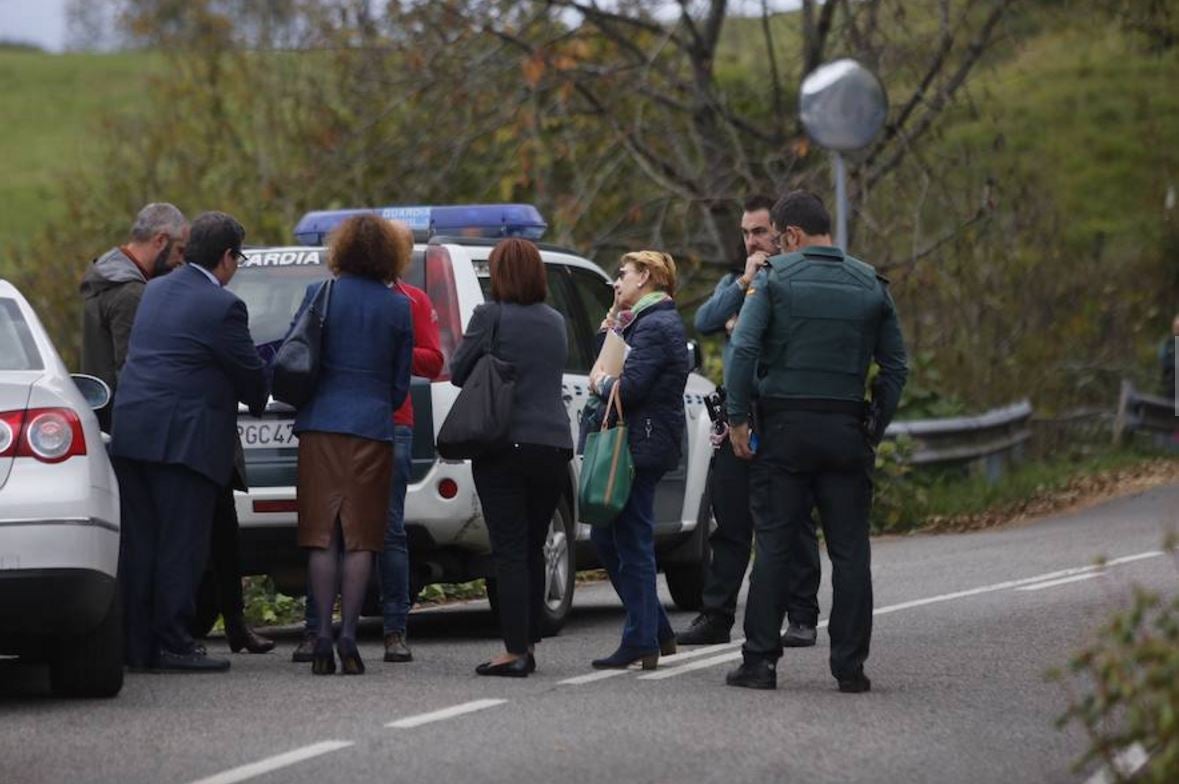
point(966, 627)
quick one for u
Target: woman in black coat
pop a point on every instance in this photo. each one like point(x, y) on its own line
point(520, 485)
point(651, 389)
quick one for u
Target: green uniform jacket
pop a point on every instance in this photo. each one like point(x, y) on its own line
point(810, 327)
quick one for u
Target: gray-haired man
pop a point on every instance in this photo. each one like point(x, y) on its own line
point(112, 287)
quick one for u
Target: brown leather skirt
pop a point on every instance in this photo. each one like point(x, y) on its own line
point(345, 477)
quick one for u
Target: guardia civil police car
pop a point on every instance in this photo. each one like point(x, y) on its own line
point(447, 536)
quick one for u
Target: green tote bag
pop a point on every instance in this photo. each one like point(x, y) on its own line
point(607, 470)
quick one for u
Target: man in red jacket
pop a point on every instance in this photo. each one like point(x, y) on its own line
point(393, 567)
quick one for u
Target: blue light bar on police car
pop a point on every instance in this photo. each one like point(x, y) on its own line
point(472, 220)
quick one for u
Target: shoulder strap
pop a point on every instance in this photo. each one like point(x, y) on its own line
point(615, 403)
point(493, 333)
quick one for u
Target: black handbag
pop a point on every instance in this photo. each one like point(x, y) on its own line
point(481, 416)
point(296, 363)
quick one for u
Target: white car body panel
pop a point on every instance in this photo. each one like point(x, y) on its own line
point(56, 515)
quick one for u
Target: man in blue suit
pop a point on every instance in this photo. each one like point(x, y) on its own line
point(189, 361)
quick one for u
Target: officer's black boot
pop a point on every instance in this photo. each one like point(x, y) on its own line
point(754, 673)
point(707, 629)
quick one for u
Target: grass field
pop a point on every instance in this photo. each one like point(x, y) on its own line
point(50, 107)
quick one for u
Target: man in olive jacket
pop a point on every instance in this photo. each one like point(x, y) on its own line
point(810, 327)
point(112, 287)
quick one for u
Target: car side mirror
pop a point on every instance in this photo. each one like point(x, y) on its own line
point(695, 356)
point(94, 390)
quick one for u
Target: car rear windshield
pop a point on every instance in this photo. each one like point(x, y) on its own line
point(273, 294)
point(17, 349)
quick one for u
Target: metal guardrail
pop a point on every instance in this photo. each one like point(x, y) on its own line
point(992, 438)
point(1138, 411)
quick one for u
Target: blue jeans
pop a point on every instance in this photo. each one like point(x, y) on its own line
point(393, 565)
point(627, 551)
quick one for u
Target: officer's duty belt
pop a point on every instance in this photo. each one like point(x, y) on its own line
point(820, 405)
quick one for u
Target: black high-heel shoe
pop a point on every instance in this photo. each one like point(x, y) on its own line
point(350, 661)
point(516, 668)
point(625, 657)
point(667, 645)
point(323, 659)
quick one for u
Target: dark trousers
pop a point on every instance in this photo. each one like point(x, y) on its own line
point(626, 549)
point(519, 488)
point(166, 514)
point(224, 564)
point(824, 456)
point(731, 543)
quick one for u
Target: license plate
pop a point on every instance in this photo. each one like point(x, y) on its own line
point(267, 433)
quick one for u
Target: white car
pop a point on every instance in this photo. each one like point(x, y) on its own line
point(59, 513)
point(447, 536)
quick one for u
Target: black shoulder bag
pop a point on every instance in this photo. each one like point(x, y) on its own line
point(297, 361)
point(481, 416)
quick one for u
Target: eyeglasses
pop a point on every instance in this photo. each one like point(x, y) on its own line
point(237, 254)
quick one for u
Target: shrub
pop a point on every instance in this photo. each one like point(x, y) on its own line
point(1130, 688)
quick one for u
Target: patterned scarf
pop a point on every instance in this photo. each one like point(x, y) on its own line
point(626, 317)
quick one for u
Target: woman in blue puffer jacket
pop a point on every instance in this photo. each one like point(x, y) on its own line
point(652, 394)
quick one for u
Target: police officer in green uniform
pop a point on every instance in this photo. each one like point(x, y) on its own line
point(811, 325)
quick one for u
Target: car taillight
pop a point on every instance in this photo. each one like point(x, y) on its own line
point(447, 488)
point(10, 425)
point(50, 435)
point(443, 293)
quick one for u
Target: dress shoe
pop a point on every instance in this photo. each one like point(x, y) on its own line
point(855, 684)
point(323, 659)
point(193, 661)
point(516, 668)
point(239, 636)
point(306, 649)
point(706, 630)
point(350, 661)
point(799, 636)
point(754, 674)
point(625, 657)
point(395, 648)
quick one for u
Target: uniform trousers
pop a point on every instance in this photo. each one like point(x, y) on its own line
point(732, 540)
point(826, 457)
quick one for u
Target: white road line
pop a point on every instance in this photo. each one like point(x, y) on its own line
point(274, 763)
point(671, 672)
point(1127, 762)
point(597, 675)
point(445, 713)
point(1062, 581)
point(1003, 586)
point(602, 675)
point(1079, 572)
point(659, 675)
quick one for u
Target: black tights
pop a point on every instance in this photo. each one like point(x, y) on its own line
point(323, 565)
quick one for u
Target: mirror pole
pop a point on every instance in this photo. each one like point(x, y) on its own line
point(840, 201)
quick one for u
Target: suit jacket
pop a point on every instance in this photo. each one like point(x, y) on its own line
point(365, 360)
point(189, 362)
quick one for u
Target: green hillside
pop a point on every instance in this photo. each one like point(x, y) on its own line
point(50, 107)
point(1091, 120)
